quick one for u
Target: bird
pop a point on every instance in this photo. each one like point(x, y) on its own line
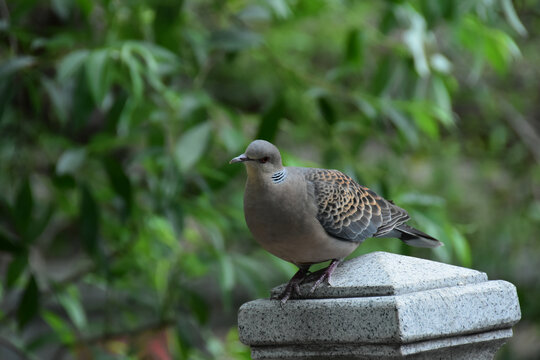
point(308, 216)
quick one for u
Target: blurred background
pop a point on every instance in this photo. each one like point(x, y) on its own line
point(121, 225)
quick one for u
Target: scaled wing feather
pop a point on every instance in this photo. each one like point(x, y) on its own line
point(350, 211)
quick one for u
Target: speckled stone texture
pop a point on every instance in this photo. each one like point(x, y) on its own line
point(381, 273)
point(386, 306)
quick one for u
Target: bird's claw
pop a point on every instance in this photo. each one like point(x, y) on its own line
point(292, 289)
point(293, 286)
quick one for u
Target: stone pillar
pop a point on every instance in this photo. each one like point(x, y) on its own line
point(386, 306)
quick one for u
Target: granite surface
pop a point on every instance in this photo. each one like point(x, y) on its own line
point(403, 318)
point(382, 273)
point(386, 306)
point(468, 347)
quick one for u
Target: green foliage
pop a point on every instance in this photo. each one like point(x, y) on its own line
point(120, 219)
point(29, 303)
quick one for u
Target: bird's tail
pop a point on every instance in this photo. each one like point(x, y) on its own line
point(415, 237)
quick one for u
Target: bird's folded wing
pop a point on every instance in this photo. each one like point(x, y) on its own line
point(349, 211)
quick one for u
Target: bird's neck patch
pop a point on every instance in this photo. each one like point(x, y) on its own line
point(279, 177)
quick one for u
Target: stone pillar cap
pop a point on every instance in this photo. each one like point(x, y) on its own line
point(381, 273)
point(401, 303)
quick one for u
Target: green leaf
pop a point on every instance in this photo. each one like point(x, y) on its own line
point(71, 64)
point(134, 68)
point(366, 107)
point(354, 48)
point(492, 45)
point(415, 38)
point(162, 230)
point(137, 85)
point(38, 342)
point(70, 161)
point(62, 8)
point(460, 246)
point(427, 124)
point(59, 97)
point(382, 76)
point(89, 220)
point(193, 265)
point(442, 97)
point(512, 17)
point(36, 227)
point(255, 14)
point(24, 203)
point(440, 63)
point(29, 303)
point(498, 138)
point(269, 123)
point(60, 327)
point(72, 305)
point(226, 272)
point(327, 110)
point(119, 182)
point(231, 138)
point(9, 244)
point(64, 181)
point(191, 145)
point(402, 124)
point(280, 8)
point(86, 6)
point(449, 9)
point(15, 64)
point(198, 305)
point(235, 39)
point(95, 74)
point(15, 269)
point(6, 212)
point(161, 278)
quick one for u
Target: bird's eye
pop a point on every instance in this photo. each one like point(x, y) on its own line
point(264, 159)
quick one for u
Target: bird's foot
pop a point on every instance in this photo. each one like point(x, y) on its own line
point(293, 286)
point(292, 289)
point(326, 273)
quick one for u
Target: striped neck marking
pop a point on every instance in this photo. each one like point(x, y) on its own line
point(279, 176)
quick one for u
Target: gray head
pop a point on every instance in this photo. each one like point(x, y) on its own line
point(260, 156)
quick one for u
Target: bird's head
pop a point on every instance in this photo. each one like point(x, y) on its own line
point(260, 157)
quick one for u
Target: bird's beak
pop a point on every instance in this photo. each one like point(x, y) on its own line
point(239, 158)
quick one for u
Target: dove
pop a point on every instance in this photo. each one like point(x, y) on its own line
point(308, 216)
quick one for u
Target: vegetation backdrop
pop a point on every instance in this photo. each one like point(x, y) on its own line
point(121, 224)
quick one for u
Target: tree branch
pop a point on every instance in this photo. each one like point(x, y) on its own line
point(524, 130)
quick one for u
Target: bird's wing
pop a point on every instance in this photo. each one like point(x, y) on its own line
point(348, 210)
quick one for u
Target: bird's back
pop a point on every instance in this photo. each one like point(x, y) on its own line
point(348, 210)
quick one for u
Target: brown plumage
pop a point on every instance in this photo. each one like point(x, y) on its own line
point(350, 211)
point(308, 216)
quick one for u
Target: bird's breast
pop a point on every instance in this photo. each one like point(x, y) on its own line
point(276, 209)
point(283, 219)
